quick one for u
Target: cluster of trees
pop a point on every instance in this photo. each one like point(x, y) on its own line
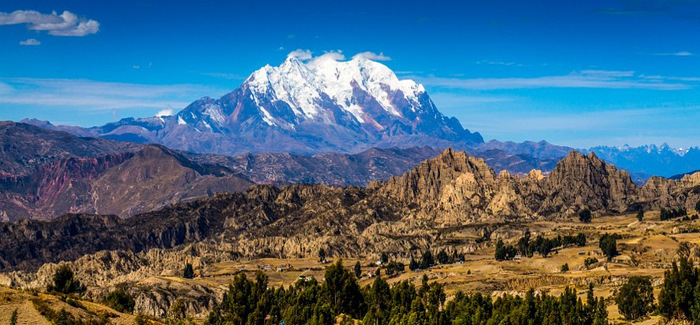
point(680, 294)
point(310, 302)
point(679, 298)
point(667, 214)
point(532, 309)
point(541, 245)
point(427, 260)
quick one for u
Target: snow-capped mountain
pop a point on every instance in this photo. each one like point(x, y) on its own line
point(304, 106)
point(649, 160)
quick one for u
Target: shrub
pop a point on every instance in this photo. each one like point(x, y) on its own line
point(120, 301)
point(640, 215)
point(358, 270)
point(590, 261)
point(13, 318)
point(565, 268)
point(635, 299)
point(697, 206)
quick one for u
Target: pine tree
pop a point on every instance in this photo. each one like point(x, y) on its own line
point(358, 270)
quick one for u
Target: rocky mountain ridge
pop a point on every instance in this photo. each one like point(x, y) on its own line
point(451, 190)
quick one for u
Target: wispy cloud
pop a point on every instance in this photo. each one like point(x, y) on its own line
point(65, 24)
point(224, 75)
point(681, 53)
point(30, 42)
point(89, 95)
point(372, 56)
point(582, 79)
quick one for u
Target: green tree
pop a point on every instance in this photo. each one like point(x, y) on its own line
point(585, 216)
point(608, 244)
point(427, 260)
point(188, 272)
point(358, 270)
point(384, 258)
point(442, 257)
point(322, 255)
point(635, 298)
point(640, 215)
point(13, 317)
point(64, 281)
point(120, 301)
point(342, 292)
point(413, 265)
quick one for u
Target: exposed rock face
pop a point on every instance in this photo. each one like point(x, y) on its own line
point(581, 181)
point(456, 188)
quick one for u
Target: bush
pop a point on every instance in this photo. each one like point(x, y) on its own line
point(585, 216)
point(590, 261)
point(358, 270)
point(697, 206)
point(640, 215)
point(64, 282)
point(188, 272)
point(636, 298)
point(565, 268)
point(120, 301)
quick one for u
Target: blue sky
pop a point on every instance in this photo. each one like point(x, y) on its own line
point(578, 73)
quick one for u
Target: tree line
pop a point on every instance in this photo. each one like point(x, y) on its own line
point(252, 301)
point(541, 245)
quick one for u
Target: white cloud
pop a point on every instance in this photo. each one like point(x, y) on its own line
point(583, 79)
point(66, 24)
point(300, 54)
point(30, 42)
point(372, 56)
point(165, 112)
